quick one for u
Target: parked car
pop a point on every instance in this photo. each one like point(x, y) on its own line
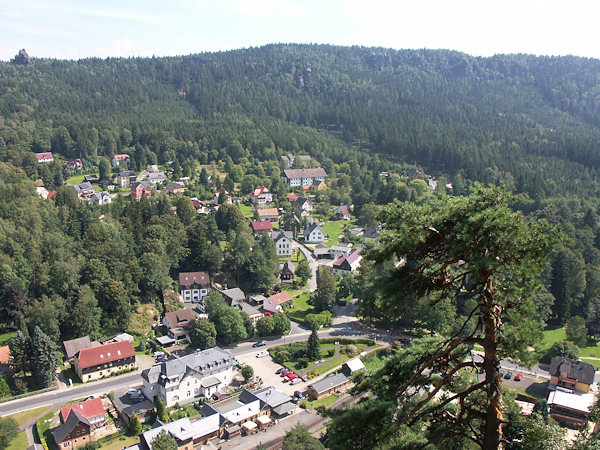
point(286, 372)
point(280, 370)
point(259, 344)
point(296, 380)
point(262, 354)
point(268, 314)
point(300, 394)
point(502, 373)
point(518, 377)
point(295, 400)
point(286, 379)
point(293, 375)
point(508, 376)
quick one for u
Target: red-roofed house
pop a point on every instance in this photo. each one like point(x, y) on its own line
point(5, 359)
point(262, 226)
point(141, 189)
point(91, 409)
point(268, 213)
point(121, 160)
point(342, 213)
point(102, 361)
point(345, 265)
point(74, 164)
point(292, 197)
point(44, 157)
point(276, 303)
point(261, 196)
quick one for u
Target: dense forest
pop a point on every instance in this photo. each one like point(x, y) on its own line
point(531, 123)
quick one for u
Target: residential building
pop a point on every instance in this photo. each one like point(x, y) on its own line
point(333, 384)
point(233, 296)
point(314, 234)
point(283, 242)
point(74, 346)
point(262, 227)
point(569, 374)
point(216, 198)
point(252, 312)
point(261, 196)
point(186, 379)
point(303, 206)
point(346, 265)
point(104, 360)
point(42, 192)
point(268, 214)
point(121, 160)
point(352, 366)
point(157, 177)
point(340, 249)
point(84, 190)
point(175, 188)
point(188, 435)
point(140, 189)
point(303, 177)
point(91, 409)
point(125, 179)
point(571, 408)
point(322, 251)
point(179, 322)
point(101, 198)
point(91, 178)
point(371, 234)
point(342, 213)
point(287, 271)
point(126, 406)
point(356, 231)
point(199, 206)
point(257, 299)
point(289, 159)
point(317, 186)
point(275, 402)
point(292, 197)
point(75, 432)
point(44, 157)
point(74, 164)
point(194, 286)
point(278, 302)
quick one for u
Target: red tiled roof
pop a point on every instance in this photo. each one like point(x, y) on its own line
point(44, 155)
point(267, 212)
point(5, 355)
point(191, 278)
point(344, 210)
point(262, 225)
point(88, 409)
point(291, 197)
point(105, 353)
point(51, 194)
point(280, 298)
point(120, 156)
point(260, 190)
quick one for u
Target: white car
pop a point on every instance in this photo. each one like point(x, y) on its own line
point(262, 353)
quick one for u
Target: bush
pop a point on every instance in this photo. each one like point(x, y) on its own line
point(351, 350)
point(330, 352)
point(303, 362)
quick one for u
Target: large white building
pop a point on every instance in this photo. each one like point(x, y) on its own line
point(303, 177)
point(186, 379)
point(283, 242)
point(194, 286)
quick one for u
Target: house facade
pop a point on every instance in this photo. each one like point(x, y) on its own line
point(140, 189)
point(333, 384)
point(44, 157)
point(346, 265)
point(303, 206)
point(268, 214)
point(173, 187)
point(186, 379)
point(573, 375)
point(75, 432)
point(121, 160)
point(314, 234)
point(261, 196)
point(125, 179)
point(342, 213)
point(283, 242)
point(74, 164)
point(179, 322)
point(104, 360)
point(278, 302)
point(288, 271)
point(303, 177)
point(194, 286)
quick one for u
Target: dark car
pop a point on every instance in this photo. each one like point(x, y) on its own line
point(518, 377)
point(508, 376)
point(299, 394)
point(259, 344)
point(280, 370)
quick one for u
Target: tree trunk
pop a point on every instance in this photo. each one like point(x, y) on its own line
point(492, 437)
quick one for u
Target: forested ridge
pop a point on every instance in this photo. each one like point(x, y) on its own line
point(532, 123)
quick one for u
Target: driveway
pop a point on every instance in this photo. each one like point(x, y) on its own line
point(265, 368)
point(312, 263)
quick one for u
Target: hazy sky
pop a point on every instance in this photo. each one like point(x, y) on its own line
point(79, 28)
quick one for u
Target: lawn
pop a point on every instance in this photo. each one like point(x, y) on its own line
point(552, 335)
point(69, 372)
point(593, 362)
point(18, 443)
point(23, 417)
point(120, 443)
point(301, 308)
point(246, 210)
point(326, 402)
point(6, 337)
point(77, 179)
point(333, 230)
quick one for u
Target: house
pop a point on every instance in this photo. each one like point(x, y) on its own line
point(5, 359)
point(257, 299)
point(569, 374)
point(289, 159)
point(179, 322)
point(292, 197)
point(185, 379)
point(73, 346)
point(75, 432)
point(199, 206)
point(188, 435)
point(268, 214)
point(432, 182)
point(107, 184)
point(346, 265)
point(317, 186)
point(303, 177)
point(216, 198)
point(233, 296)
point(340, 249)
point(84, 190)
point(287, 272)
point(571, 408)
point(91, 178)
point(157, 177)
point(342, 213)
point(140, 189)
point(74, 164)
point(371, 234)
point(278, 302)
point(121, 160)
point(332, 384)
point(118, 338)
point(101, 198)
point(414, 173)
point(91, 409)
point(125, 179)
point(104, 360)
point(356, 231)
point(42, 192)
point(321, 251)
point(175, 188)
point(44, 157)
point(303, 206)
point(273, 401)
point(283, 243)
point(314, 234)
point(252, 312)
point(126, 406)
point(261, 196)
point(352, 366)
point(194, 286)
point(261, 226)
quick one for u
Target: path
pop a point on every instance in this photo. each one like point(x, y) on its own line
point(312, 263)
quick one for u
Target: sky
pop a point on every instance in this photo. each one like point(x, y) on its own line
point(73, 29)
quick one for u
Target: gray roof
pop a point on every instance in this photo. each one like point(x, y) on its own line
point(317, 172)
point(289, 265)
point(284, 408)
point(73, 346)
point(329, 383)
point(277, 235)
point(63, 431)
point(371, 232)
point(157, 176)
point(313, 226)
point(300, 202)
point(210, 381)
point(85, 186)
point(576, 370)
point(249, 309)
point(233, 296)
point(272, 397)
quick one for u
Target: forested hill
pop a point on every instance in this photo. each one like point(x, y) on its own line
point(533, 122)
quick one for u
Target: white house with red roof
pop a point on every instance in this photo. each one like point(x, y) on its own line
point(104, 360)
point(276, 303)
point(92, 410)
point(44, 157)
point(261, 196)
point(262, 227)
point(121, 160)
point(342, 213)
point(345, 265)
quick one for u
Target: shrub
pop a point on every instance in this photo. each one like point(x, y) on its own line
point(303, 362)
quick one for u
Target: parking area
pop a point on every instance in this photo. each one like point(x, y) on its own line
point(266, 368)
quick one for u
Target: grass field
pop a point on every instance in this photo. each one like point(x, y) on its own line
point(6, 337)
point(333, 230)
point(121, 442)
point(326, 402)
point(246, 210)
point(23, 417)
point(553, 335)
point(75, 180)
point(301, 308)
point(593, 362)
point(18, 443)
